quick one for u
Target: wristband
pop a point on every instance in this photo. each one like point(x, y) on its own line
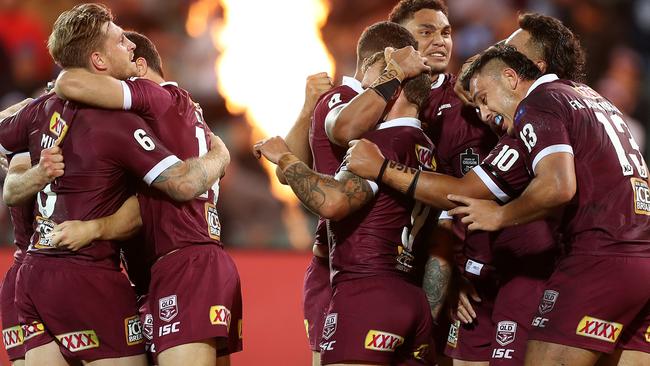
point(387, 89)
point(381, 171)
point(411, 191)
point(287, 160)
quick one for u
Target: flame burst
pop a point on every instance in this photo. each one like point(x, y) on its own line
point(262, 67)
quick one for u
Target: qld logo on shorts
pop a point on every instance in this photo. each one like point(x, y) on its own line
point(12, 337)
point(329, 328)
point(548, 301)
point(79, 341)
point(599, 329)
point(168, 308)
point(506, 331)
point(377, 340)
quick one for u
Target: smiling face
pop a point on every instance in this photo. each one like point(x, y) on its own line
point(432, 31)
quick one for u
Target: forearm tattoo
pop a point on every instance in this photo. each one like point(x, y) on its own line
point(315, 190)
point(401, 167)
point(436, 280)
point(183, 178)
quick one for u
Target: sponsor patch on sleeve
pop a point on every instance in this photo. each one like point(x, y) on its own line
point(599, 329)
point(382, 341)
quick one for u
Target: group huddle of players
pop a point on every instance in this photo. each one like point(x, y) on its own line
point(500, 216)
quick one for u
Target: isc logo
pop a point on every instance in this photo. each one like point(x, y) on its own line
point(539, 322)
point(502, 353)
point(168, 329)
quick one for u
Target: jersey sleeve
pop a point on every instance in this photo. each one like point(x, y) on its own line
point(504, 170)
point(541, 130)
point(14, 131)
point(330, 105)
point(145, 97)
point(135, 147)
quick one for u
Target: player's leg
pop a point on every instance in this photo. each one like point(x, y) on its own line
point(469, 363)
point(315, 358)
point(45, 355)
point(198, 354)
point(317, 293)
point(138, 360)
point(12, 335)
point(540, 353)
point(223, 360)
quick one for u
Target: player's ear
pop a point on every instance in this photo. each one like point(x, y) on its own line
point(542, 66)
point(141, 66)
point(511, 78)
point(98, 61)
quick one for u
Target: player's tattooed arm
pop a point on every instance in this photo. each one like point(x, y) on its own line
point(329, 197)
point(24, 181)
point(96, 90)
point(437, 274)
point(189, 179)
point(121, 225)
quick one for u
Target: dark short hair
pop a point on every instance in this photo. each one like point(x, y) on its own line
point(146, 49)
point(405, 9)
point(560, 48)
point(380, 35)
point(77, 33)
point(417, 89)
point(525, 68)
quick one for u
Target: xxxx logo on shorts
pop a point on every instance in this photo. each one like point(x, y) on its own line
point(647, 334)
point(220, 315)
point(382, 341)
point(599, 329)
point(329, 328)
point(421, 352)
point(133, 330)
point(548, 301)
point(168, 308)
point(506, 331)
point(79, 341)
point(452, 338)
point(12, 337)
point(32, 330)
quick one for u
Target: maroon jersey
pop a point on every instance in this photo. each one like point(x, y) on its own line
point(100, 149)
point(22, 218)
point(327, 156)
point(178, 122)
point(462, 140)
point(610, 213)
point(505, 174)
point(380, 238)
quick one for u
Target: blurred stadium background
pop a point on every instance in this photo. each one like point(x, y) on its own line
point(245, 62)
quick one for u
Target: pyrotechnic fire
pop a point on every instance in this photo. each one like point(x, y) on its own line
point(266, 53)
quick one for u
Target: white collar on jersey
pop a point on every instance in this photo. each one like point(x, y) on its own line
point(353, 83)
point(438, 83)
point(173, 83)
point(401, 122)
point(547, 78)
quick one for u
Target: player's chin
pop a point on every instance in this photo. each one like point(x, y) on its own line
point(438, 65)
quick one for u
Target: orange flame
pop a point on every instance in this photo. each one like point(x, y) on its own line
point(261, 70)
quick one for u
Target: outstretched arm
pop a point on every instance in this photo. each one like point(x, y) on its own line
point(330, 197)
point(23, 180)
point(93, 89)
point(189, 179)
point(298, 137)
point(123, 224)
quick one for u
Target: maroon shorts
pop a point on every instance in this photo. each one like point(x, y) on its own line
point(317, 293)
point(12, 333)
point(382, 320)
point(589, 301)
point(195, 295)
point(146, 319)
point(637, 336)
point(473, 342)
point(514, 309)
point(90, 311)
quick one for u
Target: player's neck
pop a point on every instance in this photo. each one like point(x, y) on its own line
point(153, 76)
point(402, 108)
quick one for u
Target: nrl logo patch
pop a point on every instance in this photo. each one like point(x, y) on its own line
point(468, 160)
point(168, 308)
point(506, 331)
point(147, 327)
point(548, 301)
point(329, 328)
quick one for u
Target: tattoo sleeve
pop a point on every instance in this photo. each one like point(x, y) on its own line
point(437, 274)
point(184, 180)
point(325, 195)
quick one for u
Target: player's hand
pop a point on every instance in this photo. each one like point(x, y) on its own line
point(73, 235)
point(4, 165)
point(364, 159)
point(465, 311)
point(408, 59)
point(272, 149)
point(51, 164)
point(463, 94)
point(15, 108)
point(317, 85)
point(477, 214)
